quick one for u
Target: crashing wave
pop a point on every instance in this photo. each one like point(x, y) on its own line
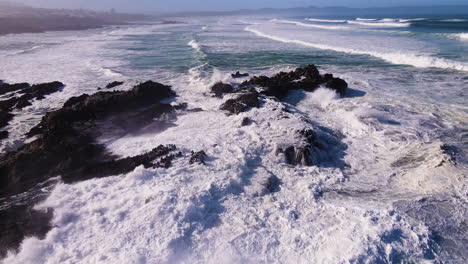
point(325, 20)
point(394, 58)
point(308, 25)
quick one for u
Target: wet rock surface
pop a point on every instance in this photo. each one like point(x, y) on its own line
point(66, 138)
point(20, 221)
point(219, 89)
point(114, 84)
point(239, 75)
point(23, 97)
point(301, 154)
point(307, 78)
point(198, 157)
point(242, 102)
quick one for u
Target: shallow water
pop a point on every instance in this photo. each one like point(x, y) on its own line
point(385, 190)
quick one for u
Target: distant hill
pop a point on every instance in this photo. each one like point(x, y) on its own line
point(19, 18)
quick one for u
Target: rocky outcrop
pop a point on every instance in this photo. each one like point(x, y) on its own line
point(219, 89)
point(66, 139)
point(241, 103)
point(8, 88)
point(307, 78)
point(66, 146)
point(25, 94)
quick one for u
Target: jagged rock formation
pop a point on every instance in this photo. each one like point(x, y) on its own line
point(307, 78)
point(25, 94)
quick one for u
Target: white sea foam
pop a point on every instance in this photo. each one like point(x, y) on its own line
point(366, 19)
point(325, 20)
point(463, 36)
point(195, 45)
point(308, 25)
point(379, 24)
point(394, 58)
point(453, 20)
point(411, 19)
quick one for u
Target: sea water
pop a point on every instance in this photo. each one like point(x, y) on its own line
point(386, 190)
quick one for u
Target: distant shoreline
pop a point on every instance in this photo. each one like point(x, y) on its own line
point(20, 25)
point(18, 19)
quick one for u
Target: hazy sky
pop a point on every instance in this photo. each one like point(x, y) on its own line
point(196, 5)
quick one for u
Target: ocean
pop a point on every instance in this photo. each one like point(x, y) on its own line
point(391, 183)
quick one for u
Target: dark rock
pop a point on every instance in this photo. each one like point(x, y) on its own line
point(5, 117)
point(66, 144)
point(20, 221)
point(166, 162)
point(273, 184)
point(114, 84)
point(22, 103)
point(7, 105)
point(125, 165)
point(150, 91)
point(181, 106)
point(302, 154)
point(219, 89)
point(239, 75)
point(3, 134)
point(298, 156)
point(7, 88)
point(307, 78)
point(37, 91)
point(242, 103)
point(198, 157)
point(246, 121)
point(337, 84)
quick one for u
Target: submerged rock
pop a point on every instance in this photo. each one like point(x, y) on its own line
point(219, 89)
point(242, 103)
point(307, 78)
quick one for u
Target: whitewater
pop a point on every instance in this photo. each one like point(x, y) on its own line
point(388, 186)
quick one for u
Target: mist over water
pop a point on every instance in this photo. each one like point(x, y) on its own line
point(386, 191)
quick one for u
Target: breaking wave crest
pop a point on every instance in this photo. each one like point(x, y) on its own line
point(394, 58)
point(325, 20)
point(379, 24)
point(308, 25)
point(195, 45)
